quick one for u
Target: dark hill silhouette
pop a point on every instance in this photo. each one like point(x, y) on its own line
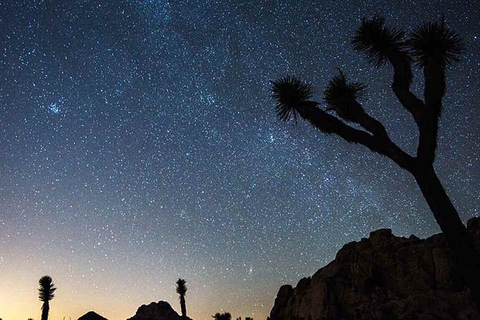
point(157, 311)
point(92, 316)
point(384, 277)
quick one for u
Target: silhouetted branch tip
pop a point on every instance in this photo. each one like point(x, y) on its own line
point(377, 40)
point(341, 96)
point(290, 93)
point(435, 41)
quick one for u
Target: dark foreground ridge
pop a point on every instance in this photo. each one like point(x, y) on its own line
point(157, 311)
point(383, 277)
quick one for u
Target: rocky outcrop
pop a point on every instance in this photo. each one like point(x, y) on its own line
point(383, 277)
point(157, 311)
point(91, 316)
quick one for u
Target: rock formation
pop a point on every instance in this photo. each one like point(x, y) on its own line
point(91, 316)
point(383, 277)
point(157, 311)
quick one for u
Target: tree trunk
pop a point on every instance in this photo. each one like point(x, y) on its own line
point(45, 309)
point(183, 306)
point(467, 258)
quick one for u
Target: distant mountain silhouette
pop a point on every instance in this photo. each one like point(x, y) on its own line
point(384, 277)
point(157, 311)
point(92, 316)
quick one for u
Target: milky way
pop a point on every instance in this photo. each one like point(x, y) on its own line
point(139, 144)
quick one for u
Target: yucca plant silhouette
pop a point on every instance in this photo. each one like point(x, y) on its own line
point(46, 292)
point(182, 290)
point(433, 47)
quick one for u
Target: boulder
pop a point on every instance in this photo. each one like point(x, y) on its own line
point(91, 316)
point(383, 277)
point(157, 311)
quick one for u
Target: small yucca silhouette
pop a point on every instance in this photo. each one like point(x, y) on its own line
point(46, 292)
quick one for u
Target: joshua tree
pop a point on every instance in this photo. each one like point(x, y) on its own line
point(222, 316)
point(182, 290)
point(433, 47)
point(45, 294)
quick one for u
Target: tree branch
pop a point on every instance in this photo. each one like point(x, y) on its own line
point(367, 122)
point(402, 79)
point(434, 73)
point(378, 141)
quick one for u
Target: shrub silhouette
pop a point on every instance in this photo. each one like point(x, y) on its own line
point(433, 47)
point(182, 290)
point(45, 294)
point(222, 316)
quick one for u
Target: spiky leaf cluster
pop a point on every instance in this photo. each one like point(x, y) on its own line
point(377, 40)
point(47, 289)
point(181, 287)
point(290, 93)
point(341, 95)
point(435, 40)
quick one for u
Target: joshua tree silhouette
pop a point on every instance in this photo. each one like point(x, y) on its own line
point(222, 316)
point(45, 294)
point(182, 290)
point(433, 47)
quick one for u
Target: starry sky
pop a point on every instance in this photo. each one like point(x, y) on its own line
point(139, 144)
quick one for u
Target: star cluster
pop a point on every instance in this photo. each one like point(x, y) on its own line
point(139, 144)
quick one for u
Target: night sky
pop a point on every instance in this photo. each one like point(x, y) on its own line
point(139, 144)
